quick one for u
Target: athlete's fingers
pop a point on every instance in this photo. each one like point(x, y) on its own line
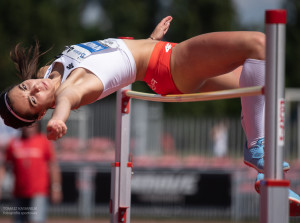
point(166, 20)
point(165, 24)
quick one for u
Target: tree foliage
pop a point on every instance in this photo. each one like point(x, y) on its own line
point(196, 17)
point(131, 17)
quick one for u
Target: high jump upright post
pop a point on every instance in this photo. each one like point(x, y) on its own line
point(122, 167)
point(274, 203)
point(120, 189)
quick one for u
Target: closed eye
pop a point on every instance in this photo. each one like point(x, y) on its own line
point(23, 87)
point(33, 100)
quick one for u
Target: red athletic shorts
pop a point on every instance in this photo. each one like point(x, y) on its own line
point(158, 75)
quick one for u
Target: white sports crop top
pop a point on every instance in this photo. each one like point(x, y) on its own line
point(110, 60)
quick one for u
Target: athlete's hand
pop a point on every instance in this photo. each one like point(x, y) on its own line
point(161, 29)
point(56, 129)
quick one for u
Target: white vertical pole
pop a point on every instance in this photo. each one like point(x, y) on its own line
point(274, 190)
point(121, 169)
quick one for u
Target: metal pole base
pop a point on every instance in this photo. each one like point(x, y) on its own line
point(274, 202)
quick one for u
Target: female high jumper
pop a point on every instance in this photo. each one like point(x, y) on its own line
point(86, 72)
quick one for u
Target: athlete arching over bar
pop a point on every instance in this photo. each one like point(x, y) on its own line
point(87, 72)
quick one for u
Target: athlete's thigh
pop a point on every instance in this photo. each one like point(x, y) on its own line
point(208, 55)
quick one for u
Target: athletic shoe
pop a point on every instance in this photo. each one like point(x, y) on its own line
point(259, 177)
point(254, 157)
point(294, 199)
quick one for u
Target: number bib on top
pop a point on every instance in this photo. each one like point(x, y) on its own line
point(80, 51)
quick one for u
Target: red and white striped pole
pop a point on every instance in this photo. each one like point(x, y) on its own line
point(121, 172)
point(274, 189)
point(122, 167)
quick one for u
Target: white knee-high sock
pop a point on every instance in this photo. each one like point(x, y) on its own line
point(253, 107)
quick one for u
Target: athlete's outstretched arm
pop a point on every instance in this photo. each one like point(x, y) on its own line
point(56, 127)
point(82, 88)
point(161, 29)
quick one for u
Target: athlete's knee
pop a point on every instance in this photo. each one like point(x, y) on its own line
point(257, 45)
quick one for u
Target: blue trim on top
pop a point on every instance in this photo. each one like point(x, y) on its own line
point(96, 48)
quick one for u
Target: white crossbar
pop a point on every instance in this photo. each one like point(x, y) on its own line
point(207, 96)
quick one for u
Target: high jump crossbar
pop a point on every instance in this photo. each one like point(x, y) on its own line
point(274, 203)
point(207, 96)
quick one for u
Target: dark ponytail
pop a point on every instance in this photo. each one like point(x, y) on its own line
point(26, 61)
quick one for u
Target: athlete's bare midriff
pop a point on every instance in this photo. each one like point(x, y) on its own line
point(141, 51)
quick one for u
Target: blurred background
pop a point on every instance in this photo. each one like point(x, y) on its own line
point(187, 156)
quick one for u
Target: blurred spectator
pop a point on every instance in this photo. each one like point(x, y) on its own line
point(36, 174)
point(220, 139)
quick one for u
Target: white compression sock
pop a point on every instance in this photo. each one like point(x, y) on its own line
point(253, 107)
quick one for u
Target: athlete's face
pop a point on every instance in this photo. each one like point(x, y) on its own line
point(32, 96)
